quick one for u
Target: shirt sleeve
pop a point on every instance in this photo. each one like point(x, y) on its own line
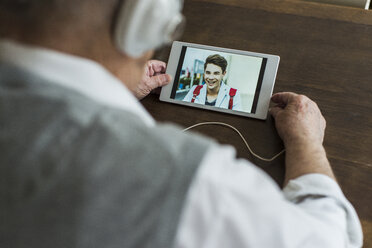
point(317, 191)
point(232, 203)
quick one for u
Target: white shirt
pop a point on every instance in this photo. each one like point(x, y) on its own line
point(223, 97)
point(231, 202)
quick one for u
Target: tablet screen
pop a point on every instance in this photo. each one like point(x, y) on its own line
point(219, 79)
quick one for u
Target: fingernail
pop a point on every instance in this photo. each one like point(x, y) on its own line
point(169, 77)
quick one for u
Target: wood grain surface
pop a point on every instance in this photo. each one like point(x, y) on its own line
point(326, 54)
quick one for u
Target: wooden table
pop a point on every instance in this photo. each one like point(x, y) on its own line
point(326, 54)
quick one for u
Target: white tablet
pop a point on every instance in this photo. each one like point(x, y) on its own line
point(220, 79)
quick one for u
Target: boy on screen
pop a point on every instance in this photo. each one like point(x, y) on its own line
point(214, 92)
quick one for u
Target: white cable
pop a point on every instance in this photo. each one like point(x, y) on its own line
point(241, 136)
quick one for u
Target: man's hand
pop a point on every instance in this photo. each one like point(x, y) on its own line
point(301, 126)
point(154, 76)
point(298, 119)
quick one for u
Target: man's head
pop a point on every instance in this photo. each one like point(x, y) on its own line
point(88, 28)
point(39, 21)
point(214, 71)
point(79, 27)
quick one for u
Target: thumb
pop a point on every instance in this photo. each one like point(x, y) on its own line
point(274, 111)
point(160, 80)
point(283, 98)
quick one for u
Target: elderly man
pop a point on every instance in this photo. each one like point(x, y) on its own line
point(84, 165)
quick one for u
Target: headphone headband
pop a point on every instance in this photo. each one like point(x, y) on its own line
point(145, 25)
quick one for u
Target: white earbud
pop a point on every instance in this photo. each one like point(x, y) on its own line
point(144, 25)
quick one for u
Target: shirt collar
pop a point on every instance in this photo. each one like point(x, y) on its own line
point(82, 75)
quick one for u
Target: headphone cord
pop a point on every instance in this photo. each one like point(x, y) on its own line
point(241, 136)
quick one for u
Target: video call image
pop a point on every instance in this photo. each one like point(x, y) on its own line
point(219, 79)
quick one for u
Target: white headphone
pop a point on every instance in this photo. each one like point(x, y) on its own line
point(143, 25)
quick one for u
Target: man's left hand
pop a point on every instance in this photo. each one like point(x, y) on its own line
point(154, 76)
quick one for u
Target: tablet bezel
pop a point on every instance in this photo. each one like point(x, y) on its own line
point(264, 94)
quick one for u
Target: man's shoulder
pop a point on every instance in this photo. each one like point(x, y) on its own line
point(196, 86)
point(229, 89)
point(62, 112)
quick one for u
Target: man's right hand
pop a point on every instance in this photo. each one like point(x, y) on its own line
point(301, 126)
point(298, 119)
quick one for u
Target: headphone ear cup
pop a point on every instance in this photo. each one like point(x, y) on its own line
point(144, 25)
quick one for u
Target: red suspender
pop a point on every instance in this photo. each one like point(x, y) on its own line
point(232, 93)
point(196, 92)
